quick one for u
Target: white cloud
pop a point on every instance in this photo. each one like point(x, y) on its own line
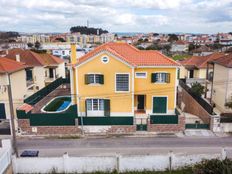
point(117, 15)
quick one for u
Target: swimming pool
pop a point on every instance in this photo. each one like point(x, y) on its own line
point(57, 105)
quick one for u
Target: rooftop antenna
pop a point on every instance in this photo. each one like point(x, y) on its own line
point(87, 23)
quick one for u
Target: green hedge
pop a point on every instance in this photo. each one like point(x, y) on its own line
point(106, 121)
point(164, 119)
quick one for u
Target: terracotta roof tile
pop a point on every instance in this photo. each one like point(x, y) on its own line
point(9, 66)
point(25, 107)
point(201, 61)
point(31, 58)
point(132, 55)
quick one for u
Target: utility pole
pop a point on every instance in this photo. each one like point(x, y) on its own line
point(12, 117)
point(82, 127)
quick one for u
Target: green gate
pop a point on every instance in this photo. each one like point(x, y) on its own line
point(141, 124)
point(196, 126)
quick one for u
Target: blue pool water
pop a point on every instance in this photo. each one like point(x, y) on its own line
point(64, 105)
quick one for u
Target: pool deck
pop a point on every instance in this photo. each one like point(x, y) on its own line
point(62, 90)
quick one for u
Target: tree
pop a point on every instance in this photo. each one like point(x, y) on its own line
point(60, 39)
point(197, 89)
point(192, 47)
point(37, 45)
point(172, 38)
point(86, 30)
point(30, 45)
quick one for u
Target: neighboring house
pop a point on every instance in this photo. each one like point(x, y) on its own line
point(117, 79)
point(222, 82)
point(41, 68)
point(13, 73)
point(202, 51)
point(179, 46)
point(195, 66)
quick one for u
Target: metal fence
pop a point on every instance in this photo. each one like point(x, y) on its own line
point(36, 97)
point(200, 100)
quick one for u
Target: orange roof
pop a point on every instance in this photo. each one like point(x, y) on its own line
point(201, 61)
point(31, 58)
point(132, 55)
point(25, 107)
point(9, 66)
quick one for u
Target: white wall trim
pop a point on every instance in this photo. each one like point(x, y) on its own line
point(106, 52)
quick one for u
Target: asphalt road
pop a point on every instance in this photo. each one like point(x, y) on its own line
point(126, 146)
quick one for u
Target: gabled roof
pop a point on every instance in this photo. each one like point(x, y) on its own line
point(200, 61)
point(131, 55)
point(31, 58)
point(225, 61)
point(10, 66)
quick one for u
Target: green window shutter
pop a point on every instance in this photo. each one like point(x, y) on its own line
point(107, 107)
point(153, 77)
point(101, 79)
point(178, 73)
point(159, 104)
point(167, 78)
point(86, 79)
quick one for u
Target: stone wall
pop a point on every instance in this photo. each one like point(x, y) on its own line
point(26, 129)
point(122, 129)
point(188, 104)
point(167, 127)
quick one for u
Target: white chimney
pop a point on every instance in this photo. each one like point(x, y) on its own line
point(7, 52)
point(17, 57)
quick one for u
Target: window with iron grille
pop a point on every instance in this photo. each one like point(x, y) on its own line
point(122, 82)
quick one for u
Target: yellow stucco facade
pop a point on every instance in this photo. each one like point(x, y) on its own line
point(123, 103)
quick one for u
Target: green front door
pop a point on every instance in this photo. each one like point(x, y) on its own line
point(159, 104)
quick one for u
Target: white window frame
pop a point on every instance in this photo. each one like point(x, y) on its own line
point(159, 82)
point(115, 80)
point(98, 104)
point(94, 83)
point(141, 77)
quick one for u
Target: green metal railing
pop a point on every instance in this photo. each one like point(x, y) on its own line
point(106, 121)
point(39, 95)
point(196, 126)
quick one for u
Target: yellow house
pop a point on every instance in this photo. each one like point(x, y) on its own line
point(117, 79)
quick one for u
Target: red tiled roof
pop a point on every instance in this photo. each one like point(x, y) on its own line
point(9, 66)
point(225, 61)
point(31, 58)
point(25, 107)
point(132, 55)
point(201, 61)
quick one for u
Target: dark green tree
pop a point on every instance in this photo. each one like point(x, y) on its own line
point(197, 89)
point(30, 45)
point(37, 45)
point(172, 38)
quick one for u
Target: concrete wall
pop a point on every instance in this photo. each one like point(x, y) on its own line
point(18, 87)
point(222, 87)
point(5, 155)
point(68, 164)
point(188, 104)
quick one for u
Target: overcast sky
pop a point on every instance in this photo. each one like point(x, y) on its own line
point(197, 16)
